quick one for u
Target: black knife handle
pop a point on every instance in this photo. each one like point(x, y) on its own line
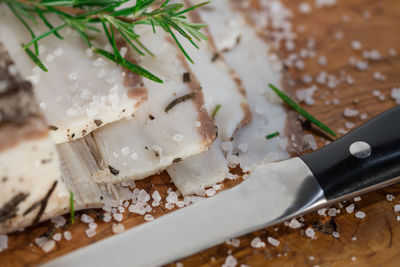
point(340, 173)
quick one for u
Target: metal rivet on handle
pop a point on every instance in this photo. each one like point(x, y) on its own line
point(360, 149)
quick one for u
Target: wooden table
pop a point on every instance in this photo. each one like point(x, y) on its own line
point(372, 241)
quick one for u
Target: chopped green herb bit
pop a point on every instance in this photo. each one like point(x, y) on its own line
point(217, 108)
point(270, 136)
point(71, 203)
point(297, 108)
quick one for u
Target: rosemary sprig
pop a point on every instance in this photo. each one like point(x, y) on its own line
point(272, 135)
point(215, 111)
point(297, 108)
point(85, 17)
point(72, 207)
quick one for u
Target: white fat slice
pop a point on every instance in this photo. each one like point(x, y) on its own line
point(221, 86)
point(154, 139)
point(29, 165)
point(79, 169)
point(81, 91)
point(250, 56)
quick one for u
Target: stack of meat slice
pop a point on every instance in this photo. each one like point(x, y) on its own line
point(111, 127)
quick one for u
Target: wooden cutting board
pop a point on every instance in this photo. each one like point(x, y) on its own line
point(372, 241)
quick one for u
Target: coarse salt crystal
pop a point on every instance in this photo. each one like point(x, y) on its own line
point(322, 61)
point(322, 211)
point(389, 197)
point(67, 235)
point(86, 218)
point(357, 199)
point(273, 241)
point(294, 224)
point(90, 232)
point(332, 212)
point(257, 243)
point(210, 192)
point(395, 94)
point(118, 217)
point(396, 208)
point(59, 221)
point(230, 261)
point(57, 237)
point(234, 242)
point(107, 217)
point(311, 258)
point(392, 52)
point(92, 226)
point(125, 150)
point(197, 124)
point(178, 138)
point(350, 208)
point(304, 8)
point(310, 233)
point(306, 95)
point(348, 112)
point(335, 235)
point(360, 215)
point(148, 217)
point(118, 228)
point(356, 45)
point(353, 258)
point(48, 246)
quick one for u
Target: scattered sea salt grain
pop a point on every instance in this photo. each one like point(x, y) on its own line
point(350, 208)
point(118, 217)
point(322, 211)
point(156, 198)
point(360, 215)
point(3, 242)
point(273, 241)
point(294, 224)
point(197, 124)
point(257, 243)
point(230, 261)
point(210, 192)
point(332, 212)
point(178, 138)
point(361, 65)
point(90, 232)
point(357, 198)
point(353, 258)
point(356, 45)
point(67, 235)
point(322, 61)
point(148, 217)
point(306, 95)
point(311, 258)
point(353, 238)
point(304, 8)
point(335, 234)
point(107, 217)
point(396, 208)
point(310, 141)
point(389, 197)
point(379, 76)
point(392, 52)
point(59, 221)
point(348, 112)
point(395, 94)
point(234, 242)
point(118, 228)
point(57, 237)
point(86, 218)
point(398, 218)
point(310, 233)
point(363, 116)
point(349, 125)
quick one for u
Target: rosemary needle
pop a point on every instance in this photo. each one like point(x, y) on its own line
point(297, 108)
point(272, 135)
point(217, 108)
point(72, 208)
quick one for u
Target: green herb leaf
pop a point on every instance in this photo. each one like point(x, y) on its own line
point(272, 135)
point(304, 113)
point(72, 207)
point(216, 109)
point(35, 59)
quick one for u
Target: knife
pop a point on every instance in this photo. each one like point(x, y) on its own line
point(364, 160)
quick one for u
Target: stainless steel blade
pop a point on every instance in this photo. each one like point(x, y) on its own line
point(273, 192)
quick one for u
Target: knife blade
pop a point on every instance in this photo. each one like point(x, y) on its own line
point(363, 160)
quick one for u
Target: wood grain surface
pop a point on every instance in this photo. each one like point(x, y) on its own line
point(372, 241)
